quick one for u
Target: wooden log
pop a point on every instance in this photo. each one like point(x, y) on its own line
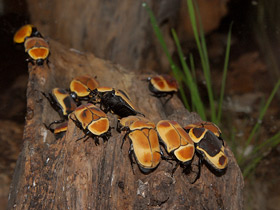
point(70, 174)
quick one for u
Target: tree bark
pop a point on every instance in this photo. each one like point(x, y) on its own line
point(70, 174)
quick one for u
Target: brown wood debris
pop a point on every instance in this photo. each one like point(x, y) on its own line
point(65, 174)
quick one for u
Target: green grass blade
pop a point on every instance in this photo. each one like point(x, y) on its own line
point(192, 65)
point(240, 158)
point(184, 98)
point(175, 69)
point(196, 100)
point(271, 142)
point(193, 68)
point(219, 116)
point(202, 49)
point(158, 33)
point(252, 165)
point(262, 113)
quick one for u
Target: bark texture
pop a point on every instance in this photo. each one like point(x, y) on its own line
point(65, 174)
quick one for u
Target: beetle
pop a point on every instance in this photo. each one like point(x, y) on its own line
point(114, 100)
point(24, 32)
point(37, 49)
point(59, 131)
point(209, 147)
point(81, 86)
point(176, 141)
point(124, 123)
point(62, 102)
point(93, 121)
point(144, 143)
point(163, 85)
point(208, 125)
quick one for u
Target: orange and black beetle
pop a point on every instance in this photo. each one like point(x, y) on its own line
point(124, 123)
point(59, 131)
point(92, 121)
point(145, 146)
point(81, 86)
point(176, 141)
point(25, 32)
point(114, 100)
point(163, 85)
point(209, 147)
point(205, 124)
point(37, 49)
point(61, 101)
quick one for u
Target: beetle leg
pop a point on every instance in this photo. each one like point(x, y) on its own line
point(140, 113)
point(222, 140)
point(87, 137)
point(171, 95)
point(154, 95)
point(123, 139)
point(103, 107)
point(48, 97)
point(51, 100)
point(107, 135)
point(130, 153)
point(96, 140)
point(47, 61)
point(49, 127)
point(175, 168)
point(82, 138)
point(80, 127)
point(76, 122)
point(119, 127)
point(92, 97)
point(166, 158)
point(198, 173)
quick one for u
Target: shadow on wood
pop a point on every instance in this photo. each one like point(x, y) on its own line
point(65, 174)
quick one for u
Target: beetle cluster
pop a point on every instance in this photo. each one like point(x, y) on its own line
point(81, 99)
point(86, 104)
point(35, 45)
point(180, 143)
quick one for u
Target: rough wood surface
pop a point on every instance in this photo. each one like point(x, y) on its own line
point(65, 174)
